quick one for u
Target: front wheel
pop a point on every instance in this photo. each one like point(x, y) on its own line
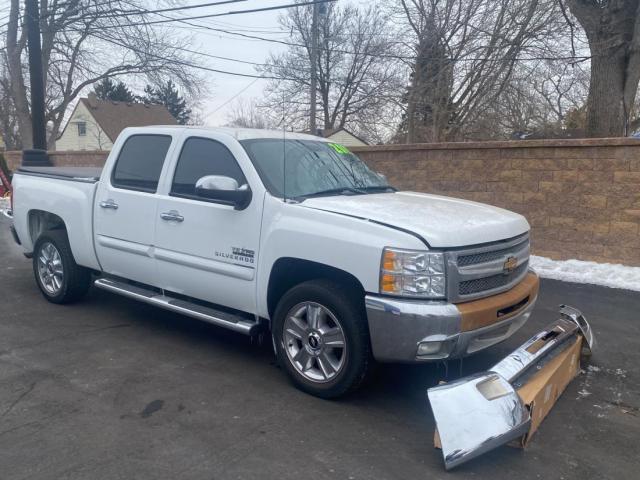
point(60, 278)
point(321, 338)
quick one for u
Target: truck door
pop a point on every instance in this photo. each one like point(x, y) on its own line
point(125, 208)
point(204, 248)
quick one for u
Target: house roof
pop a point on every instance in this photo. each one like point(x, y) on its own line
point(329, 133)
point(322, 133)
point(113, 117)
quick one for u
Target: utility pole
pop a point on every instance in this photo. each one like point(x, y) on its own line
point(37, 156)
point(314, 65)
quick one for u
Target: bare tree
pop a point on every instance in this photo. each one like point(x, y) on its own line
point(8, 120)
point(357, 75)
point(83, 42)
point(612, 28)
point(465, 53)
point(560, 87)
point(539, 101)
point(249, 114)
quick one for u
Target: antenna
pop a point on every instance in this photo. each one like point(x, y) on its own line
point(284, 151)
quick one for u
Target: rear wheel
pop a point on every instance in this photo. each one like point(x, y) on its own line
point(60, 279)
point(321, 338)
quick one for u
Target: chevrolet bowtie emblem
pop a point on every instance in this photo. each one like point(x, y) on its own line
point(510, 265)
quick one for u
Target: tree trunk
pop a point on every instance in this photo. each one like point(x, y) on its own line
point(411, 113)
point(17, 83)
point(606, 116)
point(613, 33)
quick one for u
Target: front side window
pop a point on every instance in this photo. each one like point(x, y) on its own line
point(140, 162)
point(82, 129)
point(299, 168)
point(201, 157)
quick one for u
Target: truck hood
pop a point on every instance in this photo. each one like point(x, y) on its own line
point(441, 221)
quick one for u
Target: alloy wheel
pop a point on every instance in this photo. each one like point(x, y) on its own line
point(314, 342)
point(50, 268)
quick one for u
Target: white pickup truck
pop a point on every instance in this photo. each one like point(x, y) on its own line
point(259, 231)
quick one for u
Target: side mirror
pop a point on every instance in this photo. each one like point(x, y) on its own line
point(225, 190)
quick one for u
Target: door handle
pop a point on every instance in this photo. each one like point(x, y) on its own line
point(109, 204)
point(172, 216)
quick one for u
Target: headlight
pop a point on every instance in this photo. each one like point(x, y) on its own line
point(412, 273)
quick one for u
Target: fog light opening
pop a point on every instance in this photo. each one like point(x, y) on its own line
point(434, 350)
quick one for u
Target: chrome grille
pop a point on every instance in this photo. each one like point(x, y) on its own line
point(484, 257)
point(479, 271)
point(490, 283)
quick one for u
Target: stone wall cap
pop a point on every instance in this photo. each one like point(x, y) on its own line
point(65, 152)
point(543, 143)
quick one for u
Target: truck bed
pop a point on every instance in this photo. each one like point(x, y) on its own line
point(65, 192)
point(75, 174)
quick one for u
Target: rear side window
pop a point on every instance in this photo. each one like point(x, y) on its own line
point(200, 157)
point(140, 162)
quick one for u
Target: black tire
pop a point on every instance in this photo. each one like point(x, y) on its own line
point(76, 280)
point(347, 305)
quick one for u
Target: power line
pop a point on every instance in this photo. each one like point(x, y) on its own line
point(193, 65)
point(377, 55)
point(200, 27)
point(174, 9)
point(233, 98)
point(212, 15)
point(236, 60)
point(142, 11)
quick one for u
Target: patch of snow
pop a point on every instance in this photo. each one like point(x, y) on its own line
point(578, 271)
point(584, 393)
point(621, 373)
point(593, 368)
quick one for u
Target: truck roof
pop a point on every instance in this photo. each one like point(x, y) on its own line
point(239, 133)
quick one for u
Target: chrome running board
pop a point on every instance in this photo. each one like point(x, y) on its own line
point(235, 322)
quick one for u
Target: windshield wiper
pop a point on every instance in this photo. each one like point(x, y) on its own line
point(375, 188)
point(334, 191)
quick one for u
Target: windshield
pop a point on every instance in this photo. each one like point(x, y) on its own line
point(312, 168)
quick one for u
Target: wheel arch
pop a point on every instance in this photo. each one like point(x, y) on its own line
point(288, 272)
point(40, 221)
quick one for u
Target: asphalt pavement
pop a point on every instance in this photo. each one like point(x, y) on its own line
point(113, 389)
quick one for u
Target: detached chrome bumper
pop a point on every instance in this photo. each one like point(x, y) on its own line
point(415, 331)
point(480, 412)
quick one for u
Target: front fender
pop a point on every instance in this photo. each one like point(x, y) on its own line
point(346, 243)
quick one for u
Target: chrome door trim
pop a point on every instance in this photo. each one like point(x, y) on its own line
point(243, 272)
point(125, 246)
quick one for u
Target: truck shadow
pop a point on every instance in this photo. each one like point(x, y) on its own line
point(388, 384)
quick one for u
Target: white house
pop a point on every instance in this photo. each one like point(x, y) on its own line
point(344, 137)
point(95, 124)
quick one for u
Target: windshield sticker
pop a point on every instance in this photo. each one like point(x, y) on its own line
point(340, 148)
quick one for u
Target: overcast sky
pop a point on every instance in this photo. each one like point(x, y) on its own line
point(223, 88)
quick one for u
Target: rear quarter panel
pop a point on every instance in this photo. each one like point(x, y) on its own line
point(72, 201)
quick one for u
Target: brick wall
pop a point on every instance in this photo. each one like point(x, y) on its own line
point(81, 158)
point(581, 197)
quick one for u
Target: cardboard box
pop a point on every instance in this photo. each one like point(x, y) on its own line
point(542, 389)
